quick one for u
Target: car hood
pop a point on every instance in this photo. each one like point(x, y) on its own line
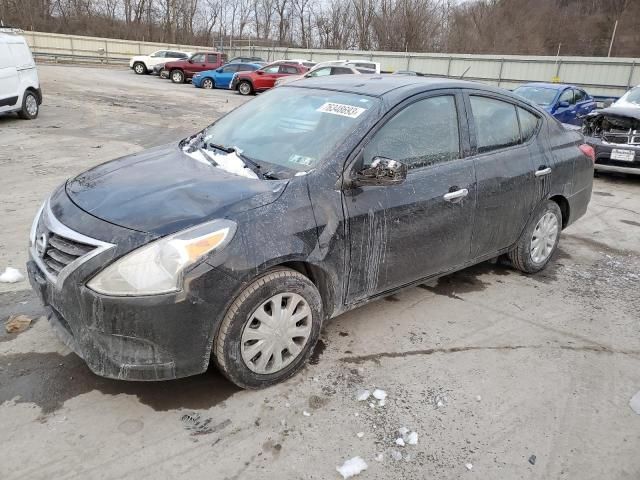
point(163, 190)
point(139, 58)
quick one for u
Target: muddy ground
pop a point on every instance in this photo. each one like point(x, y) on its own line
point(488, 366)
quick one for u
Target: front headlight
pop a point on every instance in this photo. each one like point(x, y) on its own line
point(158, 266)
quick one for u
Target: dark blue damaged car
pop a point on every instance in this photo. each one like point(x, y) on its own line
point(236, 244)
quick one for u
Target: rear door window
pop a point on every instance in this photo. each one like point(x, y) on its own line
point(212, 58)
point(423, 134)
point(245, 68)
point(496, 123)
point(340, 71)
point(230, 68)
point(321, 72)
point(579, 96)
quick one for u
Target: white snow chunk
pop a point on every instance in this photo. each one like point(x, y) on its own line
point(11, 275)
point(400, 442)
point(469, 466)
point(634, 403)
point(363, 395)
point(305, 413)
point(382, 402)
point(396, 455)
point(229, 162)
point(352, 467)
point(379, 457)
point(478, 398)
point(372, 405)
point(360, 434)
point(403, 431)
point(379, 394)
point(412, 438)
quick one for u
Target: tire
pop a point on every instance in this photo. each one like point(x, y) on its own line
point(164, 74)
point(240, 330)
point(208, 83)
point(177, 76)
point(140, 68)
point(524, 256)
point(30, 107)
point(245, 87)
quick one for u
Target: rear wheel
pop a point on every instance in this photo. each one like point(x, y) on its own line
point(207, 83)
point(177, 76)
point(30, 106)
point(539, 240)
point(270, 330)
point(245, 88)
point(140, 68)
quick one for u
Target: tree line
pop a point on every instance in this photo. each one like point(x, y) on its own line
point(540, 27)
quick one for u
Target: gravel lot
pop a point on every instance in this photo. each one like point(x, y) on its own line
point(488, 366)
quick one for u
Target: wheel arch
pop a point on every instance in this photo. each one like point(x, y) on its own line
point(565, 209)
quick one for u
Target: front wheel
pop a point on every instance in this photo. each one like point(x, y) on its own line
point(207, 83)
point(539, 240)
point(245, 88)
point(140, 68)
point(270, 330)
point(177, 76)
point(30, 107)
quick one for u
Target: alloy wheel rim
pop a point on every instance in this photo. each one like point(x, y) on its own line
point(207, 84)
point(544, 237)
point(32, 105)
point(139, 68)
point(176, 77)
point(276, 333)
point(244, 88)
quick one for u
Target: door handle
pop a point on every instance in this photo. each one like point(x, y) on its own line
point(451, 196)
point(543, 171)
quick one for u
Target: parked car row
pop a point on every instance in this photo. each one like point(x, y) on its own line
point(247, 75)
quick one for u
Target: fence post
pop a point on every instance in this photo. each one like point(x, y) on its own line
point(449, 67)
point(72, 49)
point(139, 48)
point(633, 67)
point(558, 65)
point(408, 61)
point(106, 51)
point(500, 73)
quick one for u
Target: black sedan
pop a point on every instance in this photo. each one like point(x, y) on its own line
point(236, 244)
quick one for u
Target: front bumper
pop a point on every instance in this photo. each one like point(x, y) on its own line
point(156, 337)
point(604, 162)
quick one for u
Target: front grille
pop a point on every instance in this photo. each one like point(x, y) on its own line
point(621, 137)
point(61, 251)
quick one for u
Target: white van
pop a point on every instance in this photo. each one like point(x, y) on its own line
point(19, 85)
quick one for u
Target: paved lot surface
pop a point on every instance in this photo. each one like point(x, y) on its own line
point(488, 366)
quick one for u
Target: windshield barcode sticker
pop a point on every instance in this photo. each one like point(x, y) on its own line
point(341, 109)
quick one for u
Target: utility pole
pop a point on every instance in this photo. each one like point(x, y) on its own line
point(613, 37)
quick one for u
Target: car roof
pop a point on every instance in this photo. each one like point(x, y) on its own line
point(552, 86)
point(378, 85)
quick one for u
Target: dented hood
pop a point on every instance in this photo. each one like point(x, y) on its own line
point(163, 190)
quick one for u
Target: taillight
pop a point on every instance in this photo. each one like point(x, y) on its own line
point(588, 151)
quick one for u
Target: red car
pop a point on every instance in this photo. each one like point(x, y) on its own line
point(182, 70)
point(248, 83)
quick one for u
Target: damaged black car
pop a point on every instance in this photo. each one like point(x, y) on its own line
point(234, 245)
point(614, 133)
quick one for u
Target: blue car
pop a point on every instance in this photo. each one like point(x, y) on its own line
point(567, 103)
point(221, 77)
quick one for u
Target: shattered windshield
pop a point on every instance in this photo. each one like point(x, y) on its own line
point(539, 95)
point(281, 132)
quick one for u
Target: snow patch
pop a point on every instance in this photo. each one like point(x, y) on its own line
point(412, 438)
point(379, 394)
point(352, 467)
point(229, 162)
point(363, 395)
point(11, 275)
point(634, 403)
point(400, 442)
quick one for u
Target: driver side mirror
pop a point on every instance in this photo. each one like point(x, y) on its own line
point(382, 171)
point(219, 70)
point(190, 60)
point(563, 104)
point(260, 72)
